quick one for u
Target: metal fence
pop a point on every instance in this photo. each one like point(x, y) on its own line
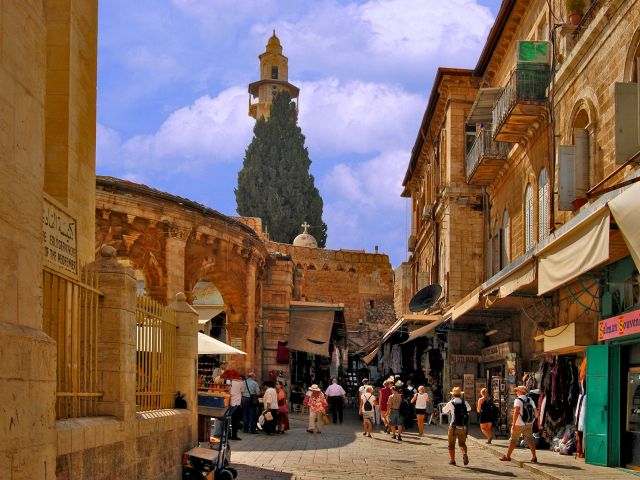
point(484, 147)
point(70, 317)
point(155, 356)
point(527, 84)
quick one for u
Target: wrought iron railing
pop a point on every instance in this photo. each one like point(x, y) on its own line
point(484, 147)
point(527, 84)
point(586, 19)
point(156, 355)
point(70, 317)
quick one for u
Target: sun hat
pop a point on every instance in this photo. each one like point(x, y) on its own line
point(314, 388)
point(387, 381)
point(457, 392)
point(365, 380)
point(399, 383)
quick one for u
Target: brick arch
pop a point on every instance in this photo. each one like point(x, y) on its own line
point(630, 64)
point(588, 103)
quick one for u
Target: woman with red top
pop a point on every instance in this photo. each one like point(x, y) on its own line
point(282, 424)
point(385, 393)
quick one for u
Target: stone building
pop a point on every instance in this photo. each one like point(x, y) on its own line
point(175, 245)
point(70, 402)
point(554, 161)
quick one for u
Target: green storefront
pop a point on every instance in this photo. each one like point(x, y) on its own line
point(613, 373)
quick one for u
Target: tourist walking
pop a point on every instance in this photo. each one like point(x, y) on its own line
point(420, 401)
point(367, 408)
point(336, 396)
point(486, 409)
point(385, 393)
point(394, 403)
point(317, 407)
point(282, 420)
point(459, 410)
point(250, 403)
point(524, 414)
point(235, 404)
point(270, 405)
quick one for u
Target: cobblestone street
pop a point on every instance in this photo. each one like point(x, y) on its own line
point(342, 452)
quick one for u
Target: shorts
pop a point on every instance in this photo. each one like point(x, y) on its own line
point(459, 434)
point(524, 430)
point(367, 415)
point(421, 411)
point(395, 419)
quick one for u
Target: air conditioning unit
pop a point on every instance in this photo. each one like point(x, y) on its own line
point(533, 52)
point(411, 244)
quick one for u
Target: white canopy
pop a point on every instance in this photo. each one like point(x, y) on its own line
point(210, 346)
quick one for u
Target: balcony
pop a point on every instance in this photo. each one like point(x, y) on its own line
point(523, 102)
point(485, 158)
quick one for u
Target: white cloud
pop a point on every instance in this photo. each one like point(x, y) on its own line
point(142, 58)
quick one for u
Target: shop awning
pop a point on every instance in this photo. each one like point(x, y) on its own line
point(524, 275)
point(625, 209)
point(207, 313)
point(424, 330)
point(575, 252)
point(465, 304)
point(482, 108)
point(210, 346)
point(310, 330)
point(369, 358)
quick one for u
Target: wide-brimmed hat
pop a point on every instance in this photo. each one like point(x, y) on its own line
point(315, 388)
point(365, 380)
point(399, 383)
point(387, 381)
point(457, 392)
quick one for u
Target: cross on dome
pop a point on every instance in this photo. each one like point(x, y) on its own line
point(305, 225)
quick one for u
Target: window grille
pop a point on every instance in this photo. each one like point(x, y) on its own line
point(70, 317)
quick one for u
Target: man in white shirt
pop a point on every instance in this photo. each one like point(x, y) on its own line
point(270, 403)
point(336, 395)
point(524, 414)
point(235, 402)
point(459, 410)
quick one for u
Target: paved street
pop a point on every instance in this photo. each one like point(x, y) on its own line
point(341, 452)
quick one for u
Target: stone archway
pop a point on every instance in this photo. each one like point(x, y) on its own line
point(175, 243)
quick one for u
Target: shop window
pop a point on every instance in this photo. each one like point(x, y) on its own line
point(528, 218)
point(543, 205)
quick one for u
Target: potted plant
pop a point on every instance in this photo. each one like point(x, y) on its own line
point(575, 9)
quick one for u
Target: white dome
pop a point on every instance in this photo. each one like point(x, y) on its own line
point(305, 239)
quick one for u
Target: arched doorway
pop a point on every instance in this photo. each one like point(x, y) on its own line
point(212, 316)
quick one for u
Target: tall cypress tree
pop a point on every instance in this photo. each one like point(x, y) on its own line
point(274, 182)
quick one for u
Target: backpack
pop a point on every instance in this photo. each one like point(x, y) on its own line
point(460, 414)
point(367, 404)
point(404, 409)
point(527, 412)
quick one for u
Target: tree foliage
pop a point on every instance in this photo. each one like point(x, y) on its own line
point(274, 182)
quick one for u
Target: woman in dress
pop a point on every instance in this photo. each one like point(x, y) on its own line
point(486, 410)
point(282, 423)
point(420, 400)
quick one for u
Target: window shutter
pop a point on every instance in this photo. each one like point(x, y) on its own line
point(506, 232)
point(528, 219)
point(543, 205)
point(496, 252)
point(581, 141)
point(566, 177)
point(626, 121)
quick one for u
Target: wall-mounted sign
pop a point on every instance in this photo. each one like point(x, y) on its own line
point(464, 358)
point(498, 352)
point(60, 240)
point(236, 342)
point(619, 326)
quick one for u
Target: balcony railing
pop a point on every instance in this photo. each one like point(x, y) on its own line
point(522, 100)
point(485, 157)
point(586, 19)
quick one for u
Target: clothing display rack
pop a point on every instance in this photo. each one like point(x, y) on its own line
point(500, 397)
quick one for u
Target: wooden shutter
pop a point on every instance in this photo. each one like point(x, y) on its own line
point(626, 121)
point(496, 252)
point(528, 219)
point(597, 417)
point(506, 240)
point(543, 205)
point(581, 142)
point(566, 177)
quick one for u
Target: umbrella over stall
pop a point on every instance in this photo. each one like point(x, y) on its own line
point(210, 346)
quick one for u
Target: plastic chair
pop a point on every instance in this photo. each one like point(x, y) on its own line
point(441, 414)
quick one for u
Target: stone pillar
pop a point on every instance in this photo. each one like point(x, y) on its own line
point(175, 246)
point(117, 339)
point(250, 334)
point(187, 357)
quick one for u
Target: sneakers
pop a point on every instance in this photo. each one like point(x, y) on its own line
point(309, 430)
point(364, 433)
point(465, 459)
point(394, 437)
point(369, 435)
point(399, 438)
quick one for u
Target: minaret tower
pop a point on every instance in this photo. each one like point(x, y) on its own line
point(274, 76)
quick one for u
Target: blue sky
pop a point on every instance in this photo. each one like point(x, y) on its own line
point(172, 96)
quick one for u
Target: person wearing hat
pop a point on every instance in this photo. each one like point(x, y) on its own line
point(385, 393)
point(317, 405)
point(458, 409)
point(524, 414)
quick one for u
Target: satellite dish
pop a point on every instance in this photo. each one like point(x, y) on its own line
point(425, 298)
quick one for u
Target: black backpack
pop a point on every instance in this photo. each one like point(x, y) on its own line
point(404, 409)
point(460, 414)
point(367, 404)
point(527, 412)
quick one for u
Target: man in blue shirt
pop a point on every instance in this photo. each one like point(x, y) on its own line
point(250, 404)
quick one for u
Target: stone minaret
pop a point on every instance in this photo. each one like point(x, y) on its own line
point(274, 76)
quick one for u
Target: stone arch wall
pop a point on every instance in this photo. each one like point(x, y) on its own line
point(176, 243)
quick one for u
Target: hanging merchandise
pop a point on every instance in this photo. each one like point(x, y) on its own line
point(396, 359)
point(282, 355)
point(335, 363)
